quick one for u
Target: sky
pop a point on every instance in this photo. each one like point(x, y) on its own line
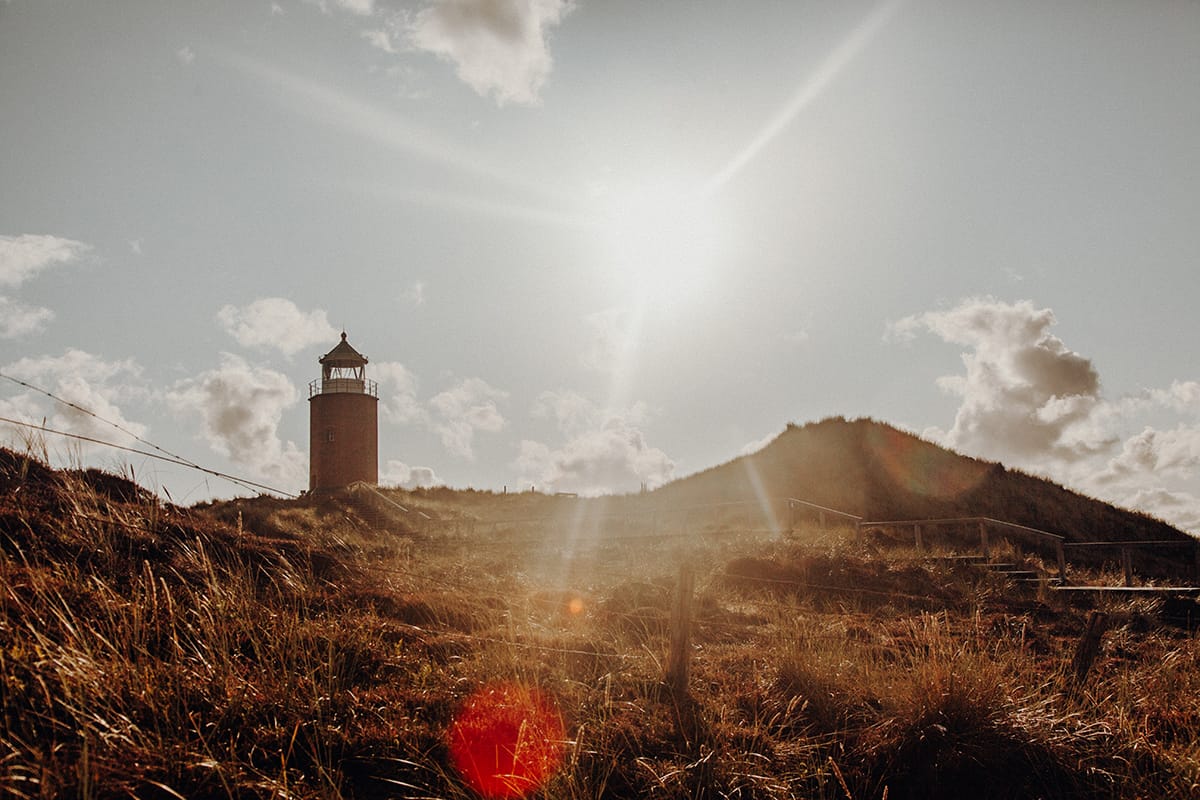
point(592, 245)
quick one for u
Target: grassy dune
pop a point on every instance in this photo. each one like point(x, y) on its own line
point(311, 648)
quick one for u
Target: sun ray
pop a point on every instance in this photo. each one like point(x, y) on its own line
point(812, 88)
point(330, 106)
point(764, 500)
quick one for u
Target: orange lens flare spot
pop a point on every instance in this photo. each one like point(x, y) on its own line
point(506, 741)
point(575, 606)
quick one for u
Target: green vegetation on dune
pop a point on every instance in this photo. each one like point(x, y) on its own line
point(321, 648)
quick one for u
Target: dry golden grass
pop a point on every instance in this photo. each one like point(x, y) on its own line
point(276, 649)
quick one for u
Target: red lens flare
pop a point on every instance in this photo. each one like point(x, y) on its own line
point(506, 741)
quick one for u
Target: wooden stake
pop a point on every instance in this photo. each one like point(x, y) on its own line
point(1089, 645)
point(679, 656)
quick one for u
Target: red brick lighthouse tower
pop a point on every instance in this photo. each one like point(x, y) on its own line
point(343, 422)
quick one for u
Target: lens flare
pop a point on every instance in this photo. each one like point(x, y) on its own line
point(923, 468)
point(506, 741)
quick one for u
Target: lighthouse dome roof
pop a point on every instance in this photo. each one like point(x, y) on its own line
point(343, 355)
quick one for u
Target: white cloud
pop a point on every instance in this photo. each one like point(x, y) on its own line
point(1031, 401)
point(1155, 472)
point(381, 39)
point(572, 412)
point(275, 322)
point(361, 7)
point(18, 319)
point(1181, 509)
point(1182, 397)
point(603, 451)
point(22, 257)
point(414, 294)
point(397, 393)
point(240, 407)
point(88, 381)
point(186, 55)
point(1156, 452)
point(463, 410)
point(1025, 394)
point(498, 46)
point(397, 473)
point(22, 408)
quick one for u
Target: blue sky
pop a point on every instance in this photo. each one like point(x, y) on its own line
point(589, 245)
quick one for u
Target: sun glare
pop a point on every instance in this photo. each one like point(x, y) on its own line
point(662, 238)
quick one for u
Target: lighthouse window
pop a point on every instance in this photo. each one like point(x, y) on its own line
point(329, 435)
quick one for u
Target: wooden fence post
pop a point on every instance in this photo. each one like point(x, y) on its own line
point(679, 655)
point(1127, 565)
point(917, 536)
point(1061, 553)
point(1089, 645)
point(1196, 556)
point(821, 518)
point(983, 541)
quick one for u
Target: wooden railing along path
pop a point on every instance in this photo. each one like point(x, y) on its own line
point(777, 516)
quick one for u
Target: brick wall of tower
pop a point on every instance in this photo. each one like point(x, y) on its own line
point(343, 436)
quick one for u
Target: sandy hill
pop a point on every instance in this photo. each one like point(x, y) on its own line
point(876, 471)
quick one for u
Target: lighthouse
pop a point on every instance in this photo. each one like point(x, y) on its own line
point(343, 422)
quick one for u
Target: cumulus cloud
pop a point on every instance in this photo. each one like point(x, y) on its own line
point(1181, 509)
point(22, 257)
point(361, 7)
point(89, 382)
point(380, 38)
point(21, 408)
point(1029, 400)
point(397, 473)
point(240, 407)
point(275, 322)
point(573, 413)
point(603, 451)
point(498, 46)
point(1155, 472)
point(1182, 397)
point(397, 393)
point(465, 409)
point(1156, 452)
point(18, 319)
point(1025, 394)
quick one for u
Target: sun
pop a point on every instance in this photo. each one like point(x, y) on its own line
point(662, 238)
